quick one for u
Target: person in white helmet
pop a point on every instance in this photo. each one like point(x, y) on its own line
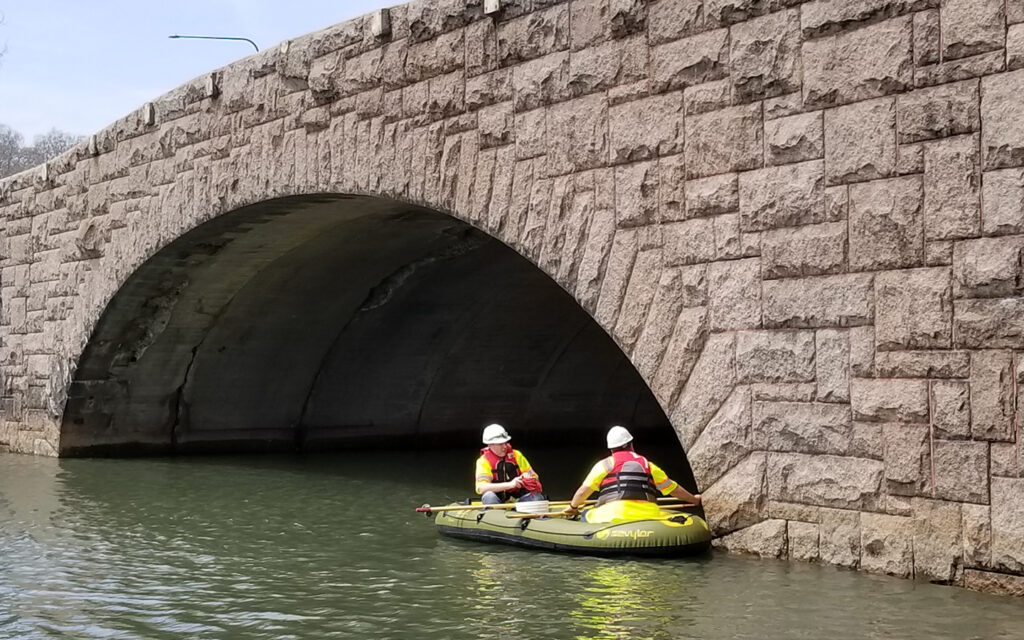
point(502, 472)
point(628, 484)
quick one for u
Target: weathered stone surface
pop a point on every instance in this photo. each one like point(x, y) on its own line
point(803, 541)
point(824, 480)
point(533, 35)
point(885, 543)
point(914, 309)
point(578, 134)
point(862, 351)
point(999, 584)
point(1015, 48)
point(1014, 11)
point(775, 356)
point(606, 66)
point(961, 470)
point(992, 395)
point(801, 427)
point(737, 300)
point(616, 277)
point(672, 188)
point(938, 546)
point(684, 348)
point(882, 400)
point(670, 19)
point(1002, 197)
point(824, 17)
point(955, 70)
point(690, 242)
point(927, 37)
point(1007, 524)
point(541, 82)
point(989, 267)
point(765, 539)
point(994, 323)
point(827, 301)
point(794, 138)
point(809, 250)
point(907, 456)
point(658, 325)
point(724, 442)
point(1002, 110)
point(782, 106)
point(860, 141)
point(639, 295)
point(1006, 459)
point(886, 224)
point(709, 96)
point(866, 63)
point(832, 362)
point(952, 180)
point(971, 26)
point(922, 364)
point(707, 387)
point(690, 61)
point(765, 56)
point(783, 196)
point(977, 535)
point(636, 194)
point(712, 196)
point(939, 112)
point(839, 537)
point(783, 391)
point(724, 141)
point(496, 124)
point(646, 128)
point(737, 497)
point(951, 409)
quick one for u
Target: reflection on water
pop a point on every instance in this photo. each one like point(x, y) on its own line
point(329, 547)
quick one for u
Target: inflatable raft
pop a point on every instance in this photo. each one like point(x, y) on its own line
point(669, 533)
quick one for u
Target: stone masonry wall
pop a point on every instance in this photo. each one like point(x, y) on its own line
point(802, 221)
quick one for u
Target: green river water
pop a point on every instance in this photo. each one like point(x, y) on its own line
point(329, 547)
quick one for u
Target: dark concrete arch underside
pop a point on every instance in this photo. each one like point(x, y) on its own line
point(325, 322)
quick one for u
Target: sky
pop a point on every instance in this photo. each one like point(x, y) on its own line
point(79, 65)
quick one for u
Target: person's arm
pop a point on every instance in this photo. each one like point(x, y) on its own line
point(577, 499)
point(483, 479)
point(683, 494)
point(589, 486)
point(668, 486)
point(524, 466)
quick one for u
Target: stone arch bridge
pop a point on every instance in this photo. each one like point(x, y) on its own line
point(797, 225)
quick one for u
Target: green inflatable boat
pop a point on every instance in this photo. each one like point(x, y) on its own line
point(670, 533)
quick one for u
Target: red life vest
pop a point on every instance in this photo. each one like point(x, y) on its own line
point(629, 479)
point(503, 469)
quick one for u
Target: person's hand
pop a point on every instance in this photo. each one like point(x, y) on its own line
point(571, 511)
point(697, 499)
point(515, 483)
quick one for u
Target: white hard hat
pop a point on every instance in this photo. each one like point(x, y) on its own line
point(495, 434)
point(618, 436)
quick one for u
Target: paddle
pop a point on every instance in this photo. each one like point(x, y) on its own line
point(562, 514)
point(508, 505)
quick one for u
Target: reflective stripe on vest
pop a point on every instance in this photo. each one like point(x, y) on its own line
point(628, 479)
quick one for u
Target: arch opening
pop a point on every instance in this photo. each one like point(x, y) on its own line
point(335, 322)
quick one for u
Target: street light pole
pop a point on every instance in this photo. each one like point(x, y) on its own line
point(218, 38)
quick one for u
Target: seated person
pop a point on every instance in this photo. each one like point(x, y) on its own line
point(629, 484)
point(502, 472)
